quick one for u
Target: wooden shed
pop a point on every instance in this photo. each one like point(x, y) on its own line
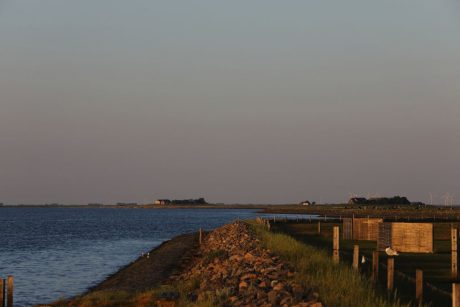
point(406, 237)
point(361, 228)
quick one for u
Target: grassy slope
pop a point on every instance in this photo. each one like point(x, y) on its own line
point(436, 267)
point(338, 285)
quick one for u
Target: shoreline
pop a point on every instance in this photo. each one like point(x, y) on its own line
point(390, 212)
point(146, 272)
point(161, 261)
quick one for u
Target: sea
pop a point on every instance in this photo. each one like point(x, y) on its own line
point(61, 252)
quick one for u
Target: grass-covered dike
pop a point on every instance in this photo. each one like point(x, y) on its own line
point(335, 284)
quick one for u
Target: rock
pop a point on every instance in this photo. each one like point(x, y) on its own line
point(286, 301)
point(235, 258)
point(263, 284)
point(261, 295)
point(243, 285)
point(249, 257)
point(249, 276)
point(278, 287)
point(272, 297)
point(232, 261)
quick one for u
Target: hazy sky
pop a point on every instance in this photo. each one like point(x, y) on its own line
point(235, 101)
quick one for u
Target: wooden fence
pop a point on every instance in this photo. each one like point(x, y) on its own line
point(406, 237)
point(361, 228)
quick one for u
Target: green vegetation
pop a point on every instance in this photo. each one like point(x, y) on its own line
point(436, 267)
point(147, 298)
point(99, 298)
point(337, 285)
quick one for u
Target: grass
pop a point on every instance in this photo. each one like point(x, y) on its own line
point(337, 285)
point(99, 298)
point(436, 267)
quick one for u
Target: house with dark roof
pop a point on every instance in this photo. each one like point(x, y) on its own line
point(162, 202)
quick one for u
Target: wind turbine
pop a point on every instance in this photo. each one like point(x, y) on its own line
point(352, 195)
point(446, 198)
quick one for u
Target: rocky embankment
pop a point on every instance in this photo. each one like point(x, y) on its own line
point(233, 265)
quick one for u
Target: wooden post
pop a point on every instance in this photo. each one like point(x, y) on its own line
point(454, 254)
point(356, 257)
point(375, 267)
point(319, 227)
point(335, 256)
point(200, 236)
point(390, 273)
point(419, 286)
point(454, 239)
point(2, 292)
point(9, 296)
point(455, 295)
point(335, 244)
point(336, 238)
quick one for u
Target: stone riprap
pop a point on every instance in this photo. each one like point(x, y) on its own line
point(232, 265)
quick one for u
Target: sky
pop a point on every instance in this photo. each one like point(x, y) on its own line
point(237, 101)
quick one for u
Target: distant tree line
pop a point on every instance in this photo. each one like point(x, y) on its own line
point(126, 204)
point(198, 201)
point(396, 200)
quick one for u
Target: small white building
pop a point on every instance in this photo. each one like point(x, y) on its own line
point(306, 203)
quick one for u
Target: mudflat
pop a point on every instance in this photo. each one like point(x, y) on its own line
point(147, 272)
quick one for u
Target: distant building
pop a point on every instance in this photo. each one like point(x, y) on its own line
point(162, 202)
point(306, 203)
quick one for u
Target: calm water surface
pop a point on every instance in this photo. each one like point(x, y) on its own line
point(60, 252)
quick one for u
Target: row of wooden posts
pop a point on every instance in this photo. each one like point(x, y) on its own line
point(391, 266)
point(375, 265)
point(454, 268)
point(6, 291)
